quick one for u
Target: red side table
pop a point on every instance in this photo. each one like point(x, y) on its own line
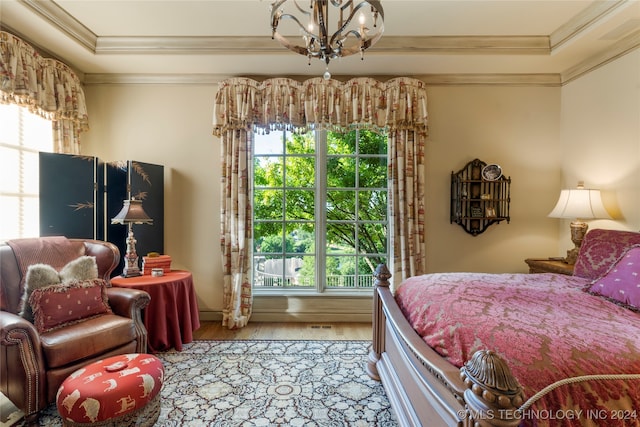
point(172, 315)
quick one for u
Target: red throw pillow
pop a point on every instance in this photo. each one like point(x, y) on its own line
point(65, 304)
point(622, 281)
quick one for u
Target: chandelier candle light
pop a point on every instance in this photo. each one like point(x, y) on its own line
point(357, 26)
point(131, 213)
point(579, 203)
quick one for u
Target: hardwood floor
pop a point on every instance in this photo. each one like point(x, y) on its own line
point(285, 331)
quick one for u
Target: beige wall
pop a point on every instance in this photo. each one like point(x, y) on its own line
point(169, 125)
point(520, 128)
point(517, 128)
point(601, 139)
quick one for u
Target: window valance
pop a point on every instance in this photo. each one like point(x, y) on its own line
point(46, 86)
point(282, 103)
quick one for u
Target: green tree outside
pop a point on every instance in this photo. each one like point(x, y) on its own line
point(356, 205)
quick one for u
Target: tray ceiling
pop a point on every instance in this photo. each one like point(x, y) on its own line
point(541, 42)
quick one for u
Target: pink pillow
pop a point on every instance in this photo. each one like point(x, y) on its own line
point(601, 249)
point(622, 281)
point(60, 305)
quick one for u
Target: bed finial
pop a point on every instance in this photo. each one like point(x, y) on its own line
point(382, 275)
point(493, 392)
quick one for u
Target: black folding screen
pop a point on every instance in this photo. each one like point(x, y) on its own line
point(70, 196)
point(79, 195)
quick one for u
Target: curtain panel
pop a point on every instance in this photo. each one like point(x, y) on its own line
point(47, 87)
point(243, 106)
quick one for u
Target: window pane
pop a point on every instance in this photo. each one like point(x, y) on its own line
point(339, 143)
point(38, 132)
point(31, 216)
point(301, 171)
point(341, 205)
point(341, 172)
point(19, 217)
point(9, 170)
point(9, 216)
point(340, 271)
point(306, 274)
point(341, 238)
point(300, 204)
point(300, 238)
point(267, 204)
point(366, 269)
point(373, 172)
point(10, 124)
point(268, 172)
point(268, 271)
point(31, 179)
point(267, 237)
point(270, 143)
point(372, 239)
point(372, 205)
point(301, 143)
point(372, 143)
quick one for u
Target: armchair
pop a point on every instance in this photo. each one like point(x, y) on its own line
point(34, 364)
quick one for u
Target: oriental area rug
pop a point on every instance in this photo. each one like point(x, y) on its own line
point(268, 383)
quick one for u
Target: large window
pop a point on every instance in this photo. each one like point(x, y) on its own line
point(22, 136)
point(320, 210)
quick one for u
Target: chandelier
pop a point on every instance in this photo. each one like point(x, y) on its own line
point(354, 29)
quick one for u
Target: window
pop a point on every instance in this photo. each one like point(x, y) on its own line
point(319, 210)
point(22, 136)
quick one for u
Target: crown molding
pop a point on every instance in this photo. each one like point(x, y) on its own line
point(535, 45)
point(92, 79)
point(62, 20)
point(620, 48)
point(590, 16)
point(547, 80)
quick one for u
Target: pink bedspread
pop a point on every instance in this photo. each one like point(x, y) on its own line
point(546, 327)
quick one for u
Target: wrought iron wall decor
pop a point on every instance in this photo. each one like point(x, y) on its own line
point(480, 196)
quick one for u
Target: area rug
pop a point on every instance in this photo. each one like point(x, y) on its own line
point(268, 383)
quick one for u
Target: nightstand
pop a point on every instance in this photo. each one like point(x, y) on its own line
point(546, 265)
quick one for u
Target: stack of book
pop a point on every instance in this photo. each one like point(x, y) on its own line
point(159, 261)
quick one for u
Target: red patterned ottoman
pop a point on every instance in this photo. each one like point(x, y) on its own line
point(119, 390)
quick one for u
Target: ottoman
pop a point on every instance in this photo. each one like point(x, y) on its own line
point(119, 390)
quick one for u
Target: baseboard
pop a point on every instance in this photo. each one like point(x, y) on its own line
point(300, 308)
point(216, 316)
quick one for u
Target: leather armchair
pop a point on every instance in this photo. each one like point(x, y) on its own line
point(33, 365)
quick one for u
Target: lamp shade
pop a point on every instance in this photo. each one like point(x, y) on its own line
point(133, 213)
point(579, 203)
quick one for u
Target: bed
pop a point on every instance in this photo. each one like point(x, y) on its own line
point(476, 349)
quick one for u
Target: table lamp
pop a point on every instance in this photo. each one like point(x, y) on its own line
point(578, 203)
point(131, 213)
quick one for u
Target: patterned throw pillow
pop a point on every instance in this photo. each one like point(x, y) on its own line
point(622, 281)
point(60, 305)
point(600, 249)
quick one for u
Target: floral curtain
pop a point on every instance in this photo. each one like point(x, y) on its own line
point(243, 105)
point(47, 87)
